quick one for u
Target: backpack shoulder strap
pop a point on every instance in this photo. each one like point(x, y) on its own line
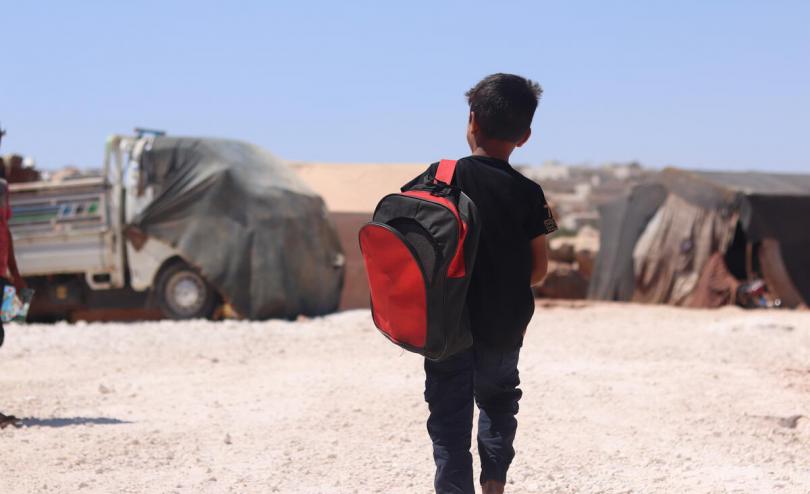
point(446, 170)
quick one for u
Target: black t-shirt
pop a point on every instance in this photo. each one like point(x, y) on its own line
point(512, 211)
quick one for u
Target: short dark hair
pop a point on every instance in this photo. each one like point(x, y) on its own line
point(504, 105)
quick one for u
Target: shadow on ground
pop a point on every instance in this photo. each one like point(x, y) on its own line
point(68, 421)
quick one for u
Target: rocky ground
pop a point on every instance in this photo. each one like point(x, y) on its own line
point(618, 399)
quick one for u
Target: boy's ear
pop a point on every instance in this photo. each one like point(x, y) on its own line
point(473, 123)
point(525, 137)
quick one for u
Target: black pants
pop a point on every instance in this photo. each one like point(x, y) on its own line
point(491, 378)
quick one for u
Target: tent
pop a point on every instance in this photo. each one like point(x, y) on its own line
point(254, 230)
point(690, 237)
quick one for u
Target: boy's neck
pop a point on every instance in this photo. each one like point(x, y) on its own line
point(499, 150)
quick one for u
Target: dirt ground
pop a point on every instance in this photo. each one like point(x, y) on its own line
point(618, 399)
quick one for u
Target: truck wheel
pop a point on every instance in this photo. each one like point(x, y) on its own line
point(182, 293)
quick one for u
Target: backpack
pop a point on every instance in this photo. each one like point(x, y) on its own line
point(419, 251)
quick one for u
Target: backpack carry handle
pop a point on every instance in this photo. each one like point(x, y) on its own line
point(445, 172)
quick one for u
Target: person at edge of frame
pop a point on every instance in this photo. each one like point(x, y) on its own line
point(8, 263)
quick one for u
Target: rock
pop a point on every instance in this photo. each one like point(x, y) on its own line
point(563, 282)
point(584, 262)
point(562, 253)
point(790, 422)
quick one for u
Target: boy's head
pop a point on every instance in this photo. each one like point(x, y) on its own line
point(501, 109)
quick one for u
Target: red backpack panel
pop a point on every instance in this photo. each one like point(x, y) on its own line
point(419, 250)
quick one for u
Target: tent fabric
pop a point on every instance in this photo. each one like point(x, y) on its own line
point(794, 252)
point(768, 208)
point(777, 274)
point(246, 221)
point(776, 217)
point(770, 205)
point(783, 219)
point(621, 224)
point(675, 247)
point(757, 183)
point(716, 286)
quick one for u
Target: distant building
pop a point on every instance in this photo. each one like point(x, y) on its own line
point(575, 191)
point(550, 170)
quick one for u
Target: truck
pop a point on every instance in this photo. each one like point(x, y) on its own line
point(70, 239)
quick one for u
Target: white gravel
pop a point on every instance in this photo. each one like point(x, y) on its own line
point(617, 398)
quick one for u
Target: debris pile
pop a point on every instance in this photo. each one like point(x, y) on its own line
point(19, 169)
point(571, 261)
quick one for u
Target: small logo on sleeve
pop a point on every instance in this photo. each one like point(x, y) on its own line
point(549, 222)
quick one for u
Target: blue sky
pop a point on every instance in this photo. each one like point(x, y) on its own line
point(710, 84)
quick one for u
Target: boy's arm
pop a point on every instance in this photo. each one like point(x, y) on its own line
point(540, 223)
point(539, 259)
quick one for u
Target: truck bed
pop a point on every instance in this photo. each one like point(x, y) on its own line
point(61, 227)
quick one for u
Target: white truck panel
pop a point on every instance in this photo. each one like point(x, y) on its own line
point(65, 228)
point(145, 263)
point(61, 254)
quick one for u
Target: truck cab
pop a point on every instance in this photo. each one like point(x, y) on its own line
point(73, 245)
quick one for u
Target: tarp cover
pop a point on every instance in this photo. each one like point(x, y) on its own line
point(672, 251)
point(247, 222)
point(772, 206)
point(621, 224)
point(671, 254)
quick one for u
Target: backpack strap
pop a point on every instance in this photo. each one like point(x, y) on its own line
point(445, 172)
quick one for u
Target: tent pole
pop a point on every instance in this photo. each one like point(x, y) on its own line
point(749, 260)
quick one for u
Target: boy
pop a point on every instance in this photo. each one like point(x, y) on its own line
point(511, 257)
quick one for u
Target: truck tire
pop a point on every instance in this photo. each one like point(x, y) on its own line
point(182, 293)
